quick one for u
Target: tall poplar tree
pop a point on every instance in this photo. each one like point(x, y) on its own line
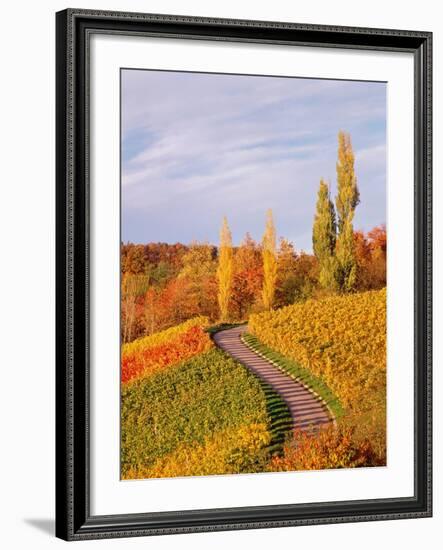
point(324, 237)
point(346, 201)
point(269, 255)
point(224, 270)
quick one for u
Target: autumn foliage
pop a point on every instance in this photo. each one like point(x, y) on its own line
point(326, 448)
point(230, 451)
point(184, 284)
point(151, 354)
point(224, 270)
point(269, 262)
point(342, 341)
point(370, 252)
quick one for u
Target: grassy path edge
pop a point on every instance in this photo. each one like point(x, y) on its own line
point(290, 367)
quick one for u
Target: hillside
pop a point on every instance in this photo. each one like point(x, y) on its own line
point(341, 340)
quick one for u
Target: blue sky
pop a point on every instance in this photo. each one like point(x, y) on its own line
point(197, 147)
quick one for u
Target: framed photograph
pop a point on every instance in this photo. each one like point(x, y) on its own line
point(243, 274)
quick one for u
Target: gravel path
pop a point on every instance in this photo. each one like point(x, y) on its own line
point(306, 410)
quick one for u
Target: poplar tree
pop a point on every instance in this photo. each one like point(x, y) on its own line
point(224, 270)
point(346, 274)
point(324, 237)
point(269, 255)
point(346, 201)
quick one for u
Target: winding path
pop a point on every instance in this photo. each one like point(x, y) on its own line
point(306, 410)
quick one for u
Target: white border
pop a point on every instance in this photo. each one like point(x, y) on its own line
point(108, 494)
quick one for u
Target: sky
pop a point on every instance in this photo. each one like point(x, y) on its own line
point(198, 146)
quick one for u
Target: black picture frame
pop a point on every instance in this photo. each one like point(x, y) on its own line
point(74, 28)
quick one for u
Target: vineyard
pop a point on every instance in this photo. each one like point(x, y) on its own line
point(207, 415)
point(151, 354)
point(189, 409)
point(342, 341)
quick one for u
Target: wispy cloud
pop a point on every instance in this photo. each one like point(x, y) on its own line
point(196, 147)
